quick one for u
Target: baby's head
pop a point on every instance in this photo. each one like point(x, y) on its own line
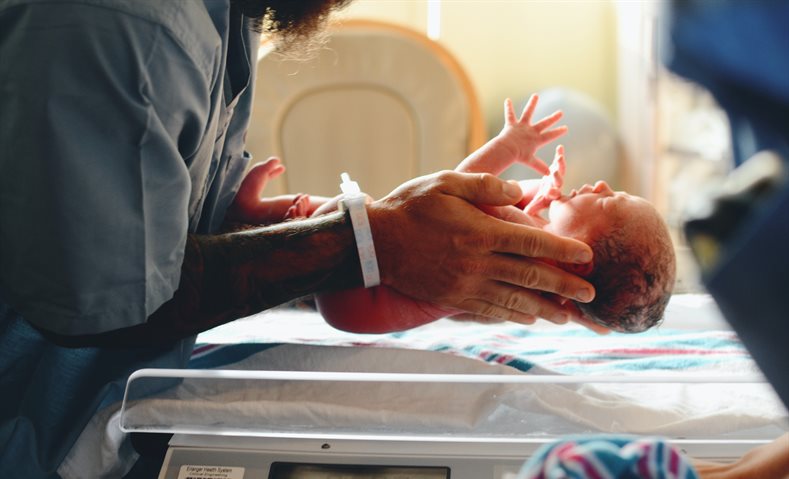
point(634, 266)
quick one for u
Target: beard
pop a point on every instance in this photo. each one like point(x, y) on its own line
point(293, 25)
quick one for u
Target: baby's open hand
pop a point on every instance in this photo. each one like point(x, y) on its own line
point(550, 184)
point(526, 138)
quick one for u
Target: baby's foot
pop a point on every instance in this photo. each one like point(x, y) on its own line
point(300, 207)
point(246, 206)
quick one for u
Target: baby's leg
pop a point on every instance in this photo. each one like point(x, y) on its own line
point(277, 209)
point(376, 310)
point(249, 207)
point(373, 310)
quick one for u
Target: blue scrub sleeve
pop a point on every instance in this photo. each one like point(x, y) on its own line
point(102, 115)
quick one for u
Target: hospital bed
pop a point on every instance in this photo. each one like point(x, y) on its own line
point(281, 394)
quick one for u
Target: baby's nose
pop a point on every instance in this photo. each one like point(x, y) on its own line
point(602, 187)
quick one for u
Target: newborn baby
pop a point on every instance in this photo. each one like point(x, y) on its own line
point(634, 267)
point(632, 271)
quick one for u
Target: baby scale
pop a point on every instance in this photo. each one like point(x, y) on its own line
point(233, 424)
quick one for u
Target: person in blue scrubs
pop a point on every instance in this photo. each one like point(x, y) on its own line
point(122, 128)
point(739, 52)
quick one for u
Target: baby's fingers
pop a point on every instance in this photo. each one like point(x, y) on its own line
point(538, 165)
point(509, 112)
point(550, 135)
point(548, 121)
point(537, 204)
point(528, 110)
point(559, 164)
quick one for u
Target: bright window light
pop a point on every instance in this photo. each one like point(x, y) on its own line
point(434, 19)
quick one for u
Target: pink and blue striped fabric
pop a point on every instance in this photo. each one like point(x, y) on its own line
point(608, 457)
point(562, 351)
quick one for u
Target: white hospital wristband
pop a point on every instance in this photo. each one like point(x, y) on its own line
point(354, 201)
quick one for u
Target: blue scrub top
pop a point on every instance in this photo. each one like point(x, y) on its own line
point(739, 51)
point(121, 130)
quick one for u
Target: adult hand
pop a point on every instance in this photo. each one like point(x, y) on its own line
point(434, 244)
point(769, 460)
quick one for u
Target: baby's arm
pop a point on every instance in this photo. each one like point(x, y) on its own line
point(518, 141)
point(376, 310)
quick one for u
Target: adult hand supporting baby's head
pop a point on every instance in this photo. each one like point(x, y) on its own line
point(435, 244)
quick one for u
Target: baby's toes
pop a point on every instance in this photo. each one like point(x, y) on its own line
point(299, 208)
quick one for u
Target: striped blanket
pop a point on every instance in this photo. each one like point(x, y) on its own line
point(609, 457)
point(561, 350)
point(689, 344)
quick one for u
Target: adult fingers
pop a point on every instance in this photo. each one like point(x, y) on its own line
point(536, 243)
point(538, 275)
point(479, 188)
point(511, 214)
point(522, 304)
point(475, 318)
point(486, 309)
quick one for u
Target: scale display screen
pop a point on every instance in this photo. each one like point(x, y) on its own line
point(292, 470)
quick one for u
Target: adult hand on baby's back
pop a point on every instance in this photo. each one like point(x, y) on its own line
point(434, 244)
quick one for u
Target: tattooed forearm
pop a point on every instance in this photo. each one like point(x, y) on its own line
point(264, 267)
point(229, 276)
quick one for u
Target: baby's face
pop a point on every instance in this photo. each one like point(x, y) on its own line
point(586, 213)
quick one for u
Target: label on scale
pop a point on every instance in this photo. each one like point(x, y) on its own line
point(210, 472)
